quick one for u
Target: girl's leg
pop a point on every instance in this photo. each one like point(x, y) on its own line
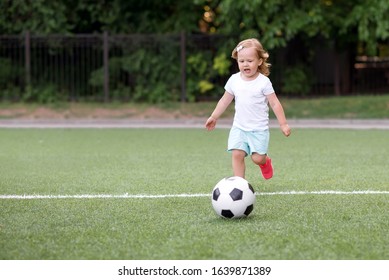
point(238, 164)
point(264, 163)
point(258, 159)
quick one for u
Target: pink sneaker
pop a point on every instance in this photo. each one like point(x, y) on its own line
point(267, 169)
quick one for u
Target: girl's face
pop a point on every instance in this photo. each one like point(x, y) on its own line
point(248, 63)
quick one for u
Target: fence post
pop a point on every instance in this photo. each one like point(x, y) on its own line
point(183, 66)
point(106, 66)
point(27, 59)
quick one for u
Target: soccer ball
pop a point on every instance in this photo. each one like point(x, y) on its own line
point(233, 197)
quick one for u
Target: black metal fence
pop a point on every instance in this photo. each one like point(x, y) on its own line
point(158, 68)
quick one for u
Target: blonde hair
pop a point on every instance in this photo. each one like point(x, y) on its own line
point(264, 68)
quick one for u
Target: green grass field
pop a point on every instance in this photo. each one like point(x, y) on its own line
point(154, 162)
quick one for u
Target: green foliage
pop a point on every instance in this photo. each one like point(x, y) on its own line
point(150, 71)
point(202, 71)
point(205, 86)
point(197, 68)
point(43, 94)
point(84, 16)
point(6, 71)
point(146, 72)
point(38, 16)
point(273, 22)
point(344, 25)
point(96, 78)
point(276, 22)
point(297, 80)
point(371, 21)
point(222, 64)
point(10, 73)
point(10, 93)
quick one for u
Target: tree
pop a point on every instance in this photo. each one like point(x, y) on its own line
point(38, 16)
point(276, 22)
point(370, 19)
point(299, 27)
point(342, 25)
point(84, 16)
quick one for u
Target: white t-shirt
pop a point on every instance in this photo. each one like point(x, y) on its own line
point(251, 105)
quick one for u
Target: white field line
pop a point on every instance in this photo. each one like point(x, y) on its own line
point(135, 196)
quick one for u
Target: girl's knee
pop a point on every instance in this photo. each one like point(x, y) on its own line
point(258, 159)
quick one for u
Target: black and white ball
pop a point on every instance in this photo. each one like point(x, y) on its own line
point(233, 197)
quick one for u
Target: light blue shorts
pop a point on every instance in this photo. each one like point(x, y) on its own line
point(248, 141)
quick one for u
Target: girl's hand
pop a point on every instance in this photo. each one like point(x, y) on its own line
point(285, 129)
point(210, 123)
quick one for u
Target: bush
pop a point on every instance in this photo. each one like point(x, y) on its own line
point(297, 80)
point(203, 74)
point(143, 75)
point(44, 94)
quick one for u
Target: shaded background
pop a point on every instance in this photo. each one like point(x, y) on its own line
point(161, 51)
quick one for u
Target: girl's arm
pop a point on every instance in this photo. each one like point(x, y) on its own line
point(221, 106)
point(279, 112)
